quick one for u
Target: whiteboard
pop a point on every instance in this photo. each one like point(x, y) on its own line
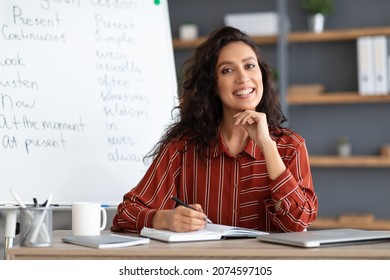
point(86, 90)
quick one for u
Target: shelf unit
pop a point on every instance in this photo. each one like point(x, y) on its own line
point(343, 98)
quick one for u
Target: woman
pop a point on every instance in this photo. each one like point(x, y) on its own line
point(227, 154)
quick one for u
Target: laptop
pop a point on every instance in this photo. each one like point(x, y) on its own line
point(327, 237)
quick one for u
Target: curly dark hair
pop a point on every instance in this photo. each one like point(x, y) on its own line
point(200, 108)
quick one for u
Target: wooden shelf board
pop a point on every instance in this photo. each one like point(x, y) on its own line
point(336, 34)
point(265, 40)
point(300, 37)
point(335, 98)
point(190, 44)
point(187, 44)
point(352, 161)
point(325, 223)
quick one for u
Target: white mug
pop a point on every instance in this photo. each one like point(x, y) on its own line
point(88, 218)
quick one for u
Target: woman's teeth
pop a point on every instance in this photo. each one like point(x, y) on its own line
point(244, 92)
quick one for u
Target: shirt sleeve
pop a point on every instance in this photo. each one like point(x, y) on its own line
point(294, 203)
point(152, 193)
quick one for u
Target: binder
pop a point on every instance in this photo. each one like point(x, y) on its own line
point(388, 64)
point(365, 63)
point(380, 54)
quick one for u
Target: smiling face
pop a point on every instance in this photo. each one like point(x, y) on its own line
point(239, 78)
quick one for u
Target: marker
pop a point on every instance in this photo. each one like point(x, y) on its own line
point(18, 200)
point(186, 205)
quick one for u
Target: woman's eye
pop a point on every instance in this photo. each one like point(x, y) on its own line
point(250, 66)
point(226, 70)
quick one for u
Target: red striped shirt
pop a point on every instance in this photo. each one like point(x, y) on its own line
point(233, 190)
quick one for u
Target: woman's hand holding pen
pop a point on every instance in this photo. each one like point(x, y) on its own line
point(186, 219)
point(181, 219)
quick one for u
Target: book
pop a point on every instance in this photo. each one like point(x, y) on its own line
point(105, 241)
point(211, 232)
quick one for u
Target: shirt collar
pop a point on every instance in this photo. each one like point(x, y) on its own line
point(220, 148)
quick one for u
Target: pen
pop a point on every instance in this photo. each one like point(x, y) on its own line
point(180, 202)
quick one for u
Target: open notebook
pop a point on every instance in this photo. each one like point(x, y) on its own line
point(211, 232)
point(327, 237)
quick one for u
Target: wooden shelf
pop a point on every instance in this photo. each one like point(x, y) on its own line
point(187, 44)
point(367, 222)
point(191, 44)
point(300, 37)
point(336, 34)
point(352, 161)
point(335, 98)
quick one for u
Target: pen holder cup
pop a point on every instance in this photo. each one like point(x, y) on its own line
point(36, 226)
